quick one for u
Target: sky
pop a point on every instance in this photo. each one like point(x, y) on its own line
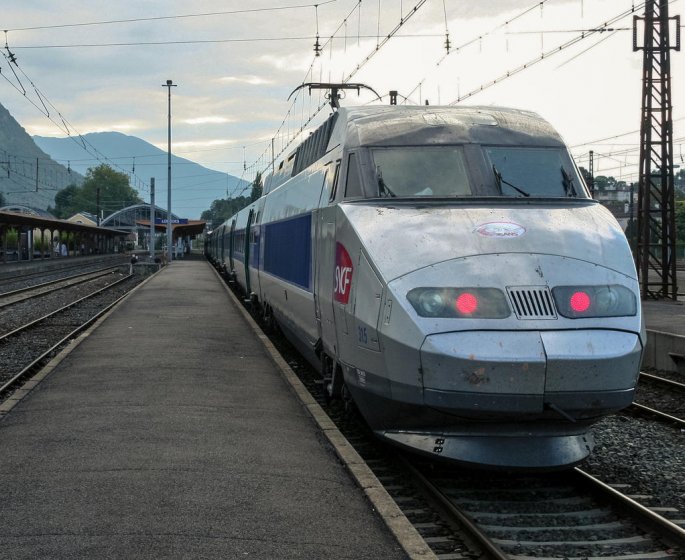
point(95, 65)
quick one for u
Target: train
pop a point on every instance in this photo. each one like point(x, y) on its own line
point(446, 269)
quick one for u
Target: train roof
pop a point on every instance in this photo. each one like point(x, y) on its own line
point(403, 125)
point(416, 125)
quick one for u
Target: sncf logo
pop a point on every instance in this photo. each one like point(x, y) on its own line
point(343, 274)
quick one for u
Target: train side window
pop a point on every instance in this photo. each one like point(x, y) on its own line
point(336, 175)
point(353, 186)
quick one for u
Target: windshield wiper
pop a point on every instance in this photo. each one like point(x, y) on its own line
point(382, 187)
point(501, 181)
point(569, 189)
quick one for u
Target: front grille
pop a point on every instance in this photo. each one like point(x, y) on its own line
point(532, 302)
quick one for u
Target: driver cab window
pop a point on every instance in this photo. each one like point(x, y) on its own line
point(353, 186)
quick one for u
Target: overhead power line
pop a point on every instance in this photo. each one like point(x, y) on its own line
point(477, 39)
point(63, 124)
point(218, 41)
point(403, 19)
point(545, 55)
point(178, 16)
point(615, 136)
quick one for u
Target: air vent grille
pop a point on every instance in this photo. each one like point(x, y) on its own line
point(532, 302)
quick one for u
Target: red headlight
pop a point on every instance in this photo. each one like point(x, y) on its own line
point(459, 303)
point(580, 302)
point(466, 303)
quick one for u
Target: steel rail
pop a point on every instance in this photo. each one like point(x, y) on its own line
point(81, 278)
point(679, 422)
point(24, 275)
point(92, 260)
point(658, 414)
point(9, 384)
point(663, 381)
point(64, 308)
point(668, 530)
point(464, 519)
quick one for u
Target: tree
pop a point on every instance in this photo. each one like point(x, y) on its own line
point(65, 200)
point(679, 181)
point(680, 222)
point(115, 193)
point(222, 209)
point(256, 187)
point(603, 183)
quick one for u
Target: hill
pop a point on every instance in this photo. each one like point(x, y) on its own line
point(28, 176)
point(194, 187)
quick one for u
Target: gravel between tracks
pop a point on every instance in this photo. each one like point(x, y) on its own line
point(646, 454)
point(21, 313)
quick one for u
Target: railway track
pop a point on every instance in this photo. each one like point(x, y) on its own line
point(23, 278)
point(555, 516)
point(474, 514)
point(661, 398)
point(19, 295)
point(26, 348)
point(31, 304)
point(466, 514)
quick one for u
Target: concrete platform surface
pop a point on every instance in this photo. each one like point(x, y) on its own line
point(664, 316)
point(168, 433)
point(665, 322)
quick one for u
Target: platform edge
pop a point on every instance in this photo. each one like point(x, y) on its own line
point(405, 533)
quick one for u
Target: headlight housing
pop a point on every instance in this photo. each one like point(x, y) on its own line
point(576, 302)
point(460, 303)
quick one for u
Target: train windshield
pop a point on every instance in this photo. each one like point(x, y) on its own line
point(535, 172)
point(422, 171)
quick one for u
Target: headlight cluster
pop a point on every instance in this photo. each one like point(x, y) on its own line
point(573, 302)
point(482, 303)
point(576, 302)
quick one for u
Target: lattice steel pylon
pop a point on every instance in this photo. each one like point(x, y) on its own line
point(655, 255)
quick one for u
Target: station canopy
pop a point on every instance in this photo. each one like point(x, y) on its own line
point(179, 227)
point(13, 219)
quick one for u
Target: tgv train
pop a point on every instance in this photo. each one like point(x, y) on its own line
point(447, 269)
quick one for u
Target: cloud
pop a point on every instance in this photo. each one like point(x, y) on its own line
point(44, 128)
point(251, 80)
point(235, 94)
point(208, 120)
point(191, 144)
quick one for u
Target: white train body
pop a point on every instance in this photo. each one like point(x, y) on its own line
point(447, 266)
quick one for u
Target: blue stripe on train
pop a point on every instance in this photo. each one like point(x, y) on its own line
point(288, 250)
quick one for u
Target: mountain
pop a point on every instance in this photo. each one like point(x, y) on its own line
point(21, 161)
point(193, 186)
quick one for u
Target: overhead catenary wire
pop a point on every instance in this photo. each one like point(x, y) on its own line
point(177, 16)
point(65, 126)
point(292, 138)
point(474, 40)
point(615, 136)
point(291, 122)
point(544, 55)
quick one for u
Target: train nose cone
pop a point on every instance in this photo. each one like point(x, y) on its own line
point(482, 372)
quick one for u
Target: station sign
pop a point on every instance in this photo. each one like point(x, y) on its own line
point(163, 221)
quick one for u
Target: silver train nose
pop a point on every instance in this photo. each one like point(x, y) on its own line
point(585, 373)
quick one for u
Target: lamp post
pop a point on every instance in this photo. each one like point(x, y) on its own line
point(169, 84)
point(152, 219)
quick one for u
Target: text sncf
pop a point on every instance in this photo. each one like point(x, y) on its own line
point(343, 274)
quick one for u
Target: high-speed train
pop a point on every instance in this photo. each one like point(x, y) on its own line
point(447, 269)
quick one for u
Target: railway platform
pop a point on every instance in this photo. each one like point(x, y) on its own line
point(168, 431)
point(665, 322)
